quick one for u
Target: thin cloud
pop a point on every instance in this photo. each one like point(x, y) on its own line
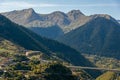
point(8, 6)
point(25, 4)
point(99, 5)
point(22, 4)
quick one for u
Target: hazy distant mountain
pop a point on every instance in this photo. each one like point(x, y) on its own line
point(64, 22)
point(100, 36)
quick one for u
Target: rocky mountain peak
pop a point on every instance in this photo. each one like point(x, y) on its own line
point(58, 13)
point(29, 15)
point(30, 10)
point(105, 16)
point(59, 18)
point(75, 14)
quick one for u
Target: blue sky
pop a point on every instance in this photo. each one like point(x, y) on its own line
point(88, 7)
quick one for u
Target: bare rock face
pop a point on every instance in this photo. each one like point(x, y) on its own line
point(75, 15)
point(29, 18)
point(23, 16)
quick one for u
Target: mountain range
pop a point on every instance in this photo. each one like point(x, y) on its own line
point(31, 41)
point(95, 34)
point(28, 40)
point(57, 22)
point(100, 36)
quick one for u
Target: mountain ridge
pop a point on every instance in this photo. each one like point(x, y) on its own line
point(98, 26)
point(91, 38)
point(31, 41)
point(65, 21)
